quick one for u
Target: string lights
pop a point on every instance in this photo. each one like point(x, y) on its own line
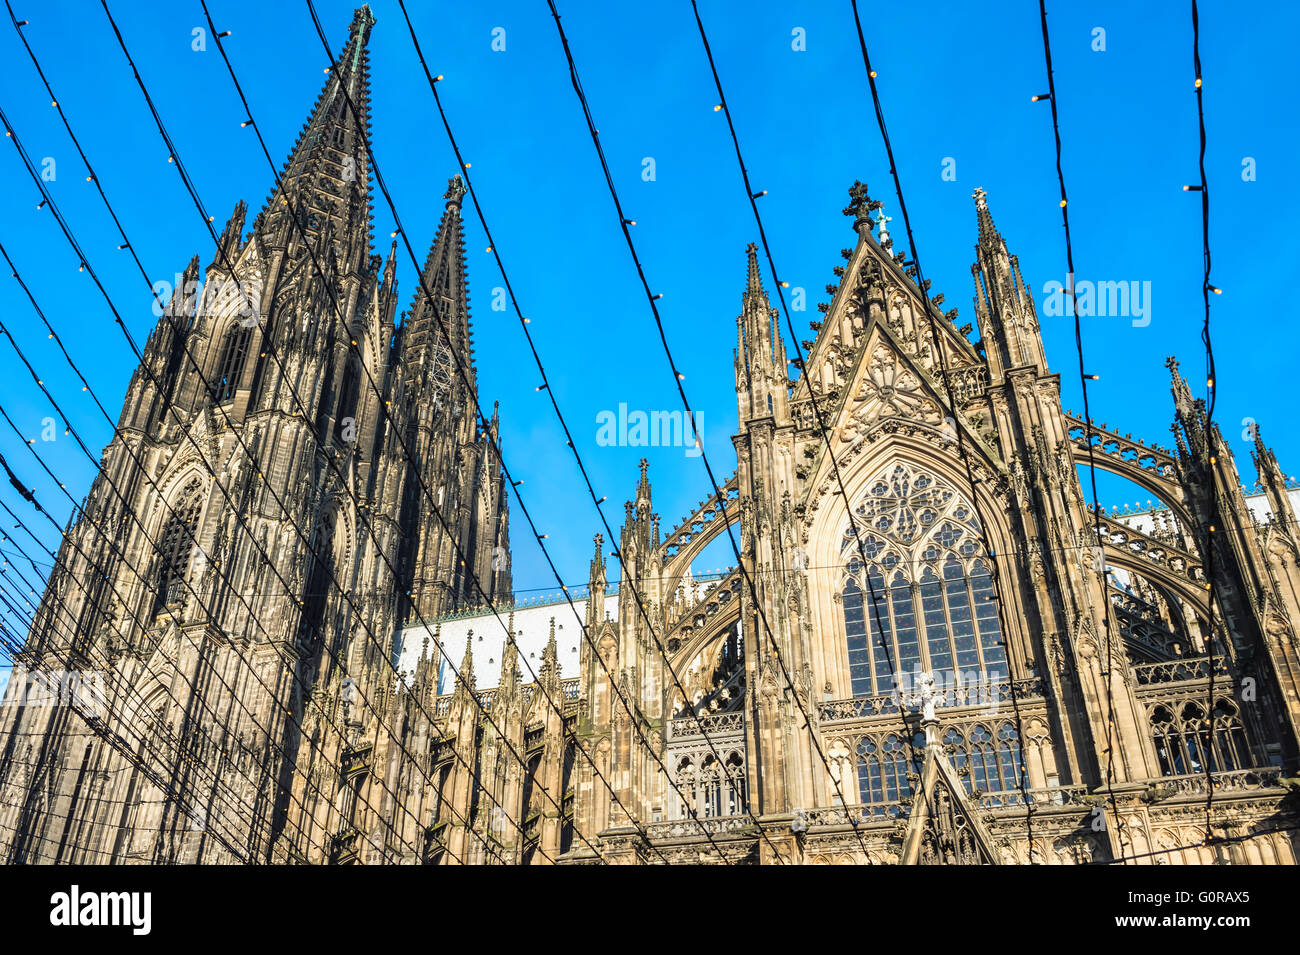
point(1089, 432)
point(128, 749)
point(941, 342)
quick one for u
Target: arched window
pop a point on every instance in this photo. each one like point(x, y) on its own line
point(883, 767)
point(1169, 742)
point(440, 793)
point(176, 546)
point(1185, 740)
point(711, 784)
point(230, 366)
point(934, 606)
point(320, 584)
point(348, 404)
point(686, 782)
point(1230, 748)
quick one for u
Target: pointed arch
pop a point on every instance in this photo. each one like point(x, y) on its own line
point(930, 576)
point(176, 544)
point(232, 358)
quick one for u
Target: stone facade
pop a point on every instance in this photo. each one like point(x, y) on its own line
point(952, 668)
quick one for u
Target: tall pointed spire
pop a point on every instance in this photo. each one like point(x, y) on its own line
point(761, 375)
point(465, 676)
point(1273, 481)
point(755, 296)
point(1004, 307)
point(326, 178)
point(445, 279)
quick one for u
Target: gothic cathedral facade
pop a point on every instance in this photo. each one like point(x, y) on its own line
point(931, 647)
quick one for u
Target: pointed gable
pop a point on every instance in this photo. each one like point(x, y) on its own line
point(945, 827)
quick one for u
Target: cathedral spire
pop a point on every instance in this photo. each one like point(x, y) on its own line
point(465, 678)
point(510, 678)
point(596, 585)
point(1004, 307)
point(326, 178)
point(444, 276)
point(548, 675)
point(1273, 481)
point(761, 375)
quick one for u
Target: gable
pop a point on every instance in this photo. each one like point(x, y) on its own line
point(944, 827)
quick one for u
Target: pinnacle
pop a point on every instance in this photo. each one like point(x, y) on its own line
point(987, 230)
point(755, 295)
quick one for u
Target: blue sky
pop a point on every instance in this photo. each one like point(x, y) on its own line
point(956, 81)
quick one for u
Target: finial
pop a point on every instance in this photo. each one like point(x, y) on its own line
point(986, 228)
point(362, 19)
point(455, 191)
point(860, 206)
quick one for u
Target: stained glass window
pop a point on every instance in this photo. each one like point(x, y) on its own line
point(230, 368)
point(934, 605)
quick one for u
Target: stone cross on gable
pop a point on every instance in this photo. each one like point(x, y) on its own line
point(860, 206)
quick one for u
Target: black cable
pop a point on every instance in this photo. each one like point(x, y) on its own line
point(752, 196)
point(396, 431)
point(624, 222)
point(1211, 395)
point(86, 265)
point(571, 444)
point(1092, 467)
point(189, 185)
point(73, 642)
point(635, 721)
point(962, 452)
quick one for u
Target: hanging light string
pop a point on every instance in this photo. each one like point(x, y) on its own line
point(433, 504)
point(1084, 378)
point(854, 821)
point(753, 196)
point(817, 414)
point(1211, 395)
point(941, 343)
point(195, 366)
point(77, 511)
point(627, 579)
point(469, 389)
point(360, 507)
point(73, 642)
point(91, 175)
point(124, 747)
point(87, 265)
point(636, 720)
point(120, 555)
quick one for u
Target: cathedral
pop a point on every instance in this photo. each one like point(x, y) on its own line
point(290, 580)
